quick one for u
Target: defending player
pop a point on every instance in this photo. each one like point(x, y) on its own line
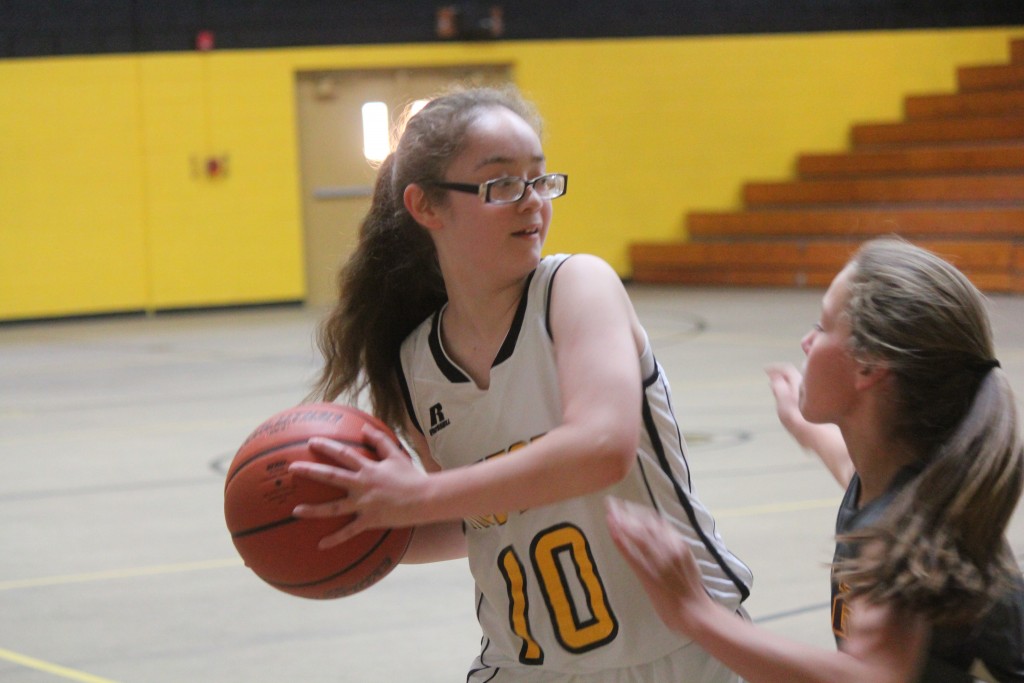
point(924, 584)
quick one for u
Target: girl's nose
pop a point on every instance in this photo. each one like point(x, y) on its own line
point(530, 201)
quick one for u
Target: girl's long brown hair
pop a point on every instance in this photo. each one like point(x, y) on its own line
point(941, 549)
point(392, 280)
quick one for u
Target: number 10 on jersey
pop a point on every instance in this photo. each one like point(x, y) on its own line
point(560, 558)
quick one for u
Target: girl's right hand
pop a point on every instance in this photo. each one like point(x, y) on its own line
point(824, 440)
point(785, 382)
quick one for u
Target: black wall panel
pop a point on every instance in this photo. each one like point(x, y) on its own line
point(60, 27)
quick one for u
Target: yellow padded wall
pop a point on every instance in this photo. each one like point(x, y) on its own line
point(71, 191)
point(231, 237)
point(105, 206)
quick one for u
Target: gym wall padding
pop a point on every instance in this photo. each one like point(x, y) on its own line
point(105, 205)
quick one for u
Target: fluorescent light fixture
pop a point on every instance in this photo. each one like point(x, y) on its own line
point(416, 106)
point(376, 139)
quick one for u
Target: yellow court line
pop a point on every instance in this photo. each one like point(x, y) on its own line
point(748, 511)
point(119, 574)
point(55, 669)
point(793, 506)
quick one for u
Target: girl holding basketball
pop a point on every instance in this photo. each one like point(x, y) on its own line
point(927, 440)
point(530, 393)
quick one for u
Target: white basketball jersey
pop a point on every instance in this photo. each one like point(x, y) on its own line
point(552, 589)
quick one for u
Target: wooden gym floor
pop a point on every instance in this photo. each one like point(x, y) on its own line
point(115, 565)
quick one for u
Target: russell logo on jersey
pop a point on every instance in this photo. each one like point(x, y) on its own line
point(437, 419)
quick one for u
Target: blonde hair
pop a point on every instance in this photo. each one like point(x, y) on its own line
point(941, 549)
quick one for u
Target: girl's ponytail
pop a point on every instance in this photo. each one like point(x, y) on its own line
point(389, 284)
point(940, 550)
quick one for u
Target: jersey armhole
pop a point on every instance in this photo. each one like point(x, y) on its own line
point(547, 297)
point(407, 397)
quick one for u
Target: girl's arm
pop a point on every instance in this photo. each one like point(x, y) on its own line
point(882, 647)
point(596, 346)
point(438, 541)
point(824, 440)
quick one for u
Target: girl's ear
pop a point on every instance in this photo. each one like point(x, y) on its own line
point(870, 374)
point(419, 206)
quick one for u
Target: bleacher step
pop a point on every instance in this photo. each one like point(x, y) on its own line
point(945, 190)
point(982, 103)
point(993, 265)
point(949, 176)
point(990, 77)
point(859, 223)
point(923, 160)
point(929, 132)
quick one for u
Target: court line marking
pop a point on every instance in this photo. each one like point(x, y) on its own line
point(794, 612)
point(792, 506)
point(131, 572)
point(47, 667)
point(119, 573)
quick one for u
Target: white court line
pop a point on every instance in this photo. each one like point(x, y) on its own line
point(119, 574)
point(723, 513)
point(792, 506)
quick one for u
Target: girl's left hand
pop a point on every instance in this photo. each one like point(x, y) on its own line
point(379, 493)
point(662, 560)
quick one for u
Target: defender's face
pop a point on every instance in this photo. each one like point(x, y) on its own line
point(830, 369)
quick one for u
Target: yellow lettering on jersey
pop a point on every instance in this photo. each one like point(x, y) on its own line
point(518, 617)
point(841, 612)
point(497, 518)
point(576, 631)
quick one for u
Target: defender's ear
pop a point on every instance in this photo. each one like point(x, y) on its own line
point(870, 374)
point(420, 207)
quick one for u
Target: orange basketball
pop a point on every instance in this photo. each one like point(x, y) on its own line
point(260, 494)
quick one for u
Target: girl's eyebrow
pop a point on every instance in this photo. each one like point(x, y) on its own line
point(498, 159)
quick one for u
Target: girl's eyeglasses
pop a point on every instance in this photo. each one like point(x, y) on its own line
point(511, 189)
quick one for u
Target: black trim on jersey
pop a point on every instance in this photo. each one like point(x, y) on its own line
point(659, 450)
point(647, 483)
point(547, 297)
point(509, 345)
point(484, 668)
point(404, 386)
point(451, 372)
point(649, 382)
point(640, 461)
point(485, 644)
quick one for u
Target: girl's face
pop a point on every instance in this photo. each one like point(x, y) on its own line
point(830, 369)
point(499, 144)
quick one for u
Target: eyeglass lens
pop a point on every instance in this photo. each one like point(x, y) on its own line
point(512, 189)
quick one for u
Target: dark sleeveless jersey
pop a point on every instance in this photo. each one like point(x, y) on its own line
point(997, 640)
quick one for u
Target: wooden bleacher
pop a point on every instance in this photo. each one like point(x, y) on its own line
point(949, 176)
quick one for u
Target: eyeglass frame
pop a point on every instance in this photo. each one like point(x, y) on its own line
point(483, 190)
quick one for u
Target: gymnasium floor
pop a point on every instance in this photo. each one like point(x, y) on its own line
point(115, 565)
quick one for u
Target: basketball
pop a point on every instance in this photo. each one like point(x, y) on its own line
point(260, 494)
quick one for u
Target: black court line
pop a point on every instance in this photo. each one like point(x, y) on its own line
point(796, 611)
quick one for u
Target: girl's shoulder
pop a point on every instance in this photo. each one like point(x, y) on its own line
point(580, 264)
